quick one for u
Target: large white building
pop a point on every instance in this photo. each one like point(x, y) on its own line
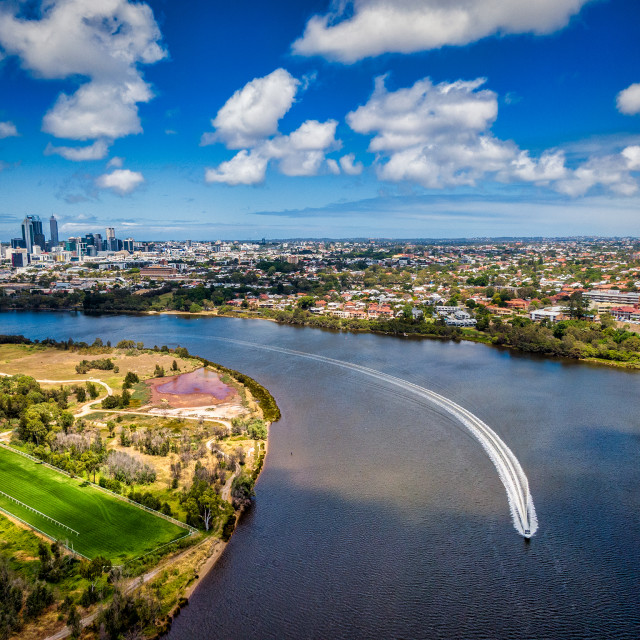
point(612, 295)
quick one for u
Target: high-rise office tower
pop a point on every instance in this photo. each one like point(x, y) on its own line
point(53, 227)
point(112, 245)
point(32, 233)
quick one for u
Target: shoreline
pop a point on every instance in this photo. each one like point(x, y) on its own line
point(618, 364)
point(416, 336)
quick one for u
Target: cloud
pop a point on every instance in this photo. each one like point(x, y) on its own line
point(440, 136)
point(250, 119)
point(333, 167)
point(115, 162)
point(122, 181)
point(628, 100)
point(349, 166)
point(8, 130)
point(359, 29)
point(95, 151)
point(435, 135)
point(98, 109)
point(301, 153)
point(244, 168)
point(610, 171)
point(252, 113)
point(104, 42)
point(631, 156)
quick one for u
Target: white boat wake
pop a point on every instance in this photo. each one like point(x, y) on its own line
point(513, 478)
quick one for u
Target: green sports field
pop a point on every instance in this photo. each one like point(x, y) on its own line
point(106, 525)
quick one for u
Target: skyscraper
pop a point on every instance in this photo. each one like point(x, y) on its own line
point(112, 245)
point(32, 233)
point(53, 226)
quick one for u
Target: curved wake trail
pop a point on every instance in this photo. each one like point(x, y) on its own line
point(513, 478)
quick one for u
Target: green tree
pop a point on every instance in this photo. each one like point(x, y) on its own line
point(66, 420)
point(74, 622)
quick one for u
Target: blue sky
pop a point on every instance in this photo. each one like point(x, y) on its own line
point(394, 118)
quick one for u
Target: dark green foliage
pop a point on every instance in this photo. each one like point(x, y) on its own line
point(103, 364)
point(110, 402)
point(128, 614)
point(40, 597)
point(74, 622)
point(92, 389)
point(229, 526)
point(131, 378)
point(242, 491)
point(11, 597)
point(146, 499)
point(110, 483)
point(267, 403)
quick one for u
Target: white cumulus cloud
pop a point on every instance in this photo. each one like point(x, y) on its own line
point(122, 181)
point(98, 109)
point(95, 151)
point(350, 166)
point(8, 130)
point(244, 168)
point(359, 29)
point(253, 112)
point(628, 100)
point(301, 153)
point(631, 156)
point(439, 135)
point(249, 121)
point(103, 41)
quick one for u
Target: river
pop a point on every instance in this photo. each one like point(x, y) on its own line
point(378, 515)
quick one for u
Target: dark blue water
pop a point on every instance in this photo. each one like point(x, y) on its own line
point(376, 516)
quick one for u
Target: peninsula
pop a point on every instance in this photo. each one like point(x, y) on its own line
point(123, 472)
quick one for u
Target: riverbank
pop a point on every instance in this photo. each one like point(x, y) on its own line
point(466, 334)
point(524, 337)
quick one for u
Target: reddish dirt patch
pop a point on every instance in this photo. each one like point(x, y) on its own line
point(200, 388)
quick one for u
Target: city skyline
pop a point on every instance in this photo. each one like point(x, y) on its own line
point(301, 121)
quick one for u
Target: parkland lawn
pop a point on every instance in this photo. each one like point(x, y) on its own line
point(106, 525)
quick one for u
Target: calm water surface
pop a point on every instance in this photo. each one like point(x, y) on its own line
point(377, 516)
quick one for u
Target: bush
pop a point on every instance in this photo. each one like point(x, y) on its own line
point(229, 526)
point(103, 364)
point(111, 484)
point(38, 600)
point(110, 402)
point(257, 430)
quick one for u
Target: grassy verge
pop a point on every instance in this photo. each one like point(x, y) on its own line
point(106, 525)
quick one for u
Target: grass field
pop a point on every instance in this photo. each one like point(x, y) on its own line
point(107, 526)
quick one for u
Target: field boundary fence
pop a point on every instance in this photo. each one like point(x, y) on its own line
point(46, 535)
point(44, 515)
point(183, 525)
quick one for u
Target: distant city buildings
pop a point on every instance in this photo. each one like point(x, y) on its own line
point(53, 228)
point(32, 234)
point(32, 245)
